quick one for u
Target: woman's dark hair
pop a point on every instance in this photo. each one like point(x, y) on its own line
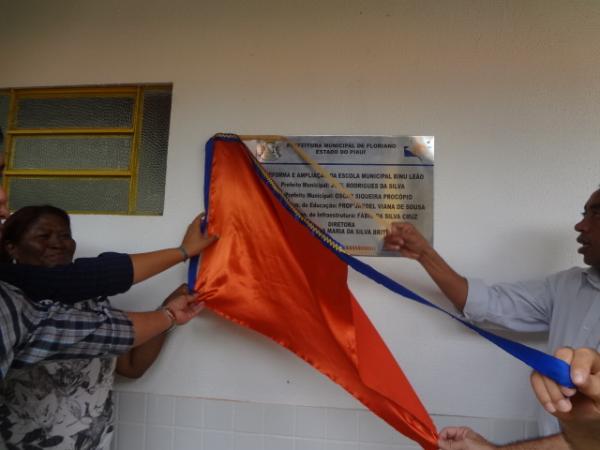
point(21, 221)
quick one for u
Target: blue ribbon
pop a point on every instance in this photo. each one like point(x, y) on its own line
point(194, 261)
point(547, 365)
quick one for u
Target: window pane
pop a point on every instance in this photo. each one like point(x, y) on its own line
point(4, 102)
point(75, 112)
point(48, 111)
point(71, 152)
point(152, 160)
point(92, 195)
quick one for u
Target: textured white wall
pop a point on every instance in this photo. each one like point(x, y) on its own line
point(510, 89)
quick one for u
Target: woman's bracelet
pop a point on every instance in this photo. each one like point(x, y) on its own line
point(170, 315)
point(184, 252)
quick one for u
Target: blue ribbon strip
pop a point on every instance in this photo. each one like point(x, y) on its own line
point(547, 365)
point(194, 261)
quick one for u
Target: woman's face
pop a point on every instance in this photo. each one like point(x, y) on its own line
point(47, 243)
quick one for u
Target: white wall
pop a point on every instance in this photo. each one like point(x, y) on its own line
point(510, 89)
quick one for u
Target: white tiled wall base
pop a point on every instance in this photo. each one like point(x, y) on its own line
point(162, 422)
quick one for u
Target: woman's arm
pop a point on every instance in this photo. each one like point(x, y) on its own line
point(148, 325)
point(134, 363)
point(105, 275)
point(194, 241)
point(54, 331)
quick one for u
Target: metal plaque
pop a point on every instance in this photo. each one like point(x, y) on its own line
point(359, 186)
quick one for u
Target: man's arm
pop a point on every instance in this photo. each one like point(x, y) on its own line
point(106, 275)
point(405, 239)
point(464, 438)
point(578, 410)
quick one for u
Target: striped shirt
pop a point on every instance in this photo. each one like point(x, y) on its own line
point(31, 332)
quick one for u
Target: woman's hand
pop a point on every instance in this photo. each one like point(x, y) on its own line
point(194, 241)
point(178, 292)
point(184, 307)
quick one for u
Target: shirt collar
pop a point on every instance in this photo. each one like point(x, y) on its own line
point(593, 277)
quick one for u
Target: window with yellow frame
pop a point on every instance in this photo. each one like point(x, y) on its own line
point(90, 150)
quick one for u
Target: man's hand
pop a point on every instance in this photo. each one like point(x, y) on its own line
point(462, 438)
point(577, 409)
point(404, 238)
point(194, 241)
point(582, 403)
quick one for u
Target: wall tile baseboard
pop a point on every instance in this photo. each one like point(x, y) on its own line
point(164, 422)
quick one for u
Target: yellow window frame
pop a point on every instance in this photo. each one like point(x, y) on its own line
point(134, 91)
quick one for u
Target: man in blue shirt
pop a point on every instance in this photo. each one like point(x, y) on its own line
point(565, 304)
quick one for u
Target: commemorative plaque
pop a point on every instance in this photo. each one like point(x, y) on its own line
point(352, 187)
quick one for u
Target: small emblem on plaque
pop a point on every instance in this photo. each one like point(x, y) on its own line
point(267, 151)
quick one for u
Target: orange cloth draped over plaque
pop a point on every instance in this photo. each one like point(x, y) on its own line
point(268, 272)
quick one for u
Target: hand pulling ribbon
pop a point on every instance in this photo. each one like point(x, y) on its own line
point(275, 272)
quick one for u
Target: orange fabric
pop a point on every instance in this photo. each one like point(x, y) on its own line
point(268, 272)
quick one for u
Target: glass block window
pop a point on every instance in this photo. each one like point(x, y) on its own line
point(87, 149)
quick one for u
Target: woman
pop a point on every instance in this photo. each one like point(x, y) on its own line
point(64, 404)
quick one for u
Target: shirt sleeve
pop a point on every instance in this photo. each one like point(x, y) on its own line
point(524, 306)
point(36, 331)
point(12, 328)
point(57, 332)
point(108, 274)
